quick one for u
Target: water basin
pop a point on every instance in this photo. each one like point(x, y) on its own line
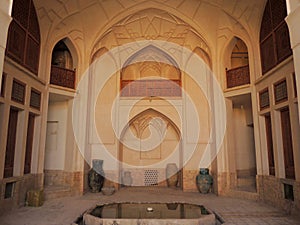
point(148, 214)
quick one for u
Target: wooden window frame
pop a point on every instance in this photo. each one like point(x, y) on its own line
point(274, 90)
point(29, 143)
point(269, 140)
point(266, 90)
point(287, 141)
point(22, 84)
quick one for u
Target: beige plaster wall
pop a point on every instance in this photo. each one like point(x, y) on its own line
point(56, 136)
point(244, 143)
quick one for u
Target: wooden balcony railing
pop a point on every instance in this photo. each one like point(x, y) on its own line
point(148, 88)
point(238, 76)
point(62, 77)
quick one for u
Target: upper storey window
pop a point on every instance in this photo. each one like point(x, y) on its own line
point(23, 43)
point(274, 35)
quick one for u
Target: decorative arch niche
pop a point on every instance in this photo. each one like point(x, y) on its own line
point(140, 160)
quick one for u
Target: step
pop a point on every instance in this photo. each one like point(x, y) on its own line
point(243, 194)
point(246, 181)
point(52, 192)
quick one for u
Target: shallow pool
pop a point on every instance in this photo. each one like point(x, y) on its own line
point(148, 214)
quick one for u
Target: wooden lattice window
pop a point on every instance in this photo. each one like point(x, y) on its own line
point(280, 91)
point(35, 99)
point(274, 35)
point(23, 43)
point(264, 100)
point(18, 91)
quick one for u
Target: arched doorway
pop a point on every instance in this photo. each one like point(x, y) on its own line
point(148, 143)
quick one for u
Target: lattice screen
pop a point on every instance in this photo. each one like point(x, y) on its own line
point(150, 177)
point(264, 100)
point(280, 90)
point(18, 91)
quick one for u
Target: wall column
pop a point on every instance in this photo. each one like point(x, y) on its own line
point(5, 19)
point(292, 20)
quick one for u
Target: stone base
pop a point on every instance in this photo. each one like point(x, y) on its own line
point(60, 183)
point(271, 191)
point(20, 186)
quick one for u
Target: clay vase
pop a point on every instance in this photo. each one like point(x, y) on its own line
point(127, 179)
point(204, 181)
point(96, 176)
point(172, 175)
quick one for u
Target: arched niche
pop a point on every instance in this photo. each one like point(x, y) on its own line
point(61, 56)
point(203, 55)
point(237, 63)
point(150, 72)
point(63, 64)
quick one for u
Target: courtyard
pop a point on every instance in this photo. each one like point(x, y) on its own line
point(234, 211)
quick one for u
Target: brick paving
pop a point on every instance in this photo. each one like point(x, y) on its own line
point(233, 211)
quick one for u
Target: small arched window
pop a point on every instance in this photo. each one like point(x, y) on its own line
point(274, 35)
point(23, 43)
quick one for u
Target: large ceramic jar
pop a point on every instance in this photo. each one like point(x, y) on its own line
point(172, 174)
point(204, 181)
point(96, 176)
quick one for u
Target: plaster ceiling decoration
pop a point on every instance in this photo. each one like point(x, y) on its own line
point(152, 24)
point(94, 24)
point(58, 10)
point(145, 121)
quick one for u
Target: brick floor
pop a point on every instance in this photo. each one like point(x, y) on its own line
point(64, 211)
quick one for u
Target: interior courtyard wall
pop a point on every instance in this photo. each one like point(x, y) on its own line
point(226, 39)
point(244, 144)
point(60, 29)
point(22, 182)
point(265, 180)
point(254, 64)
point(55, 27)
